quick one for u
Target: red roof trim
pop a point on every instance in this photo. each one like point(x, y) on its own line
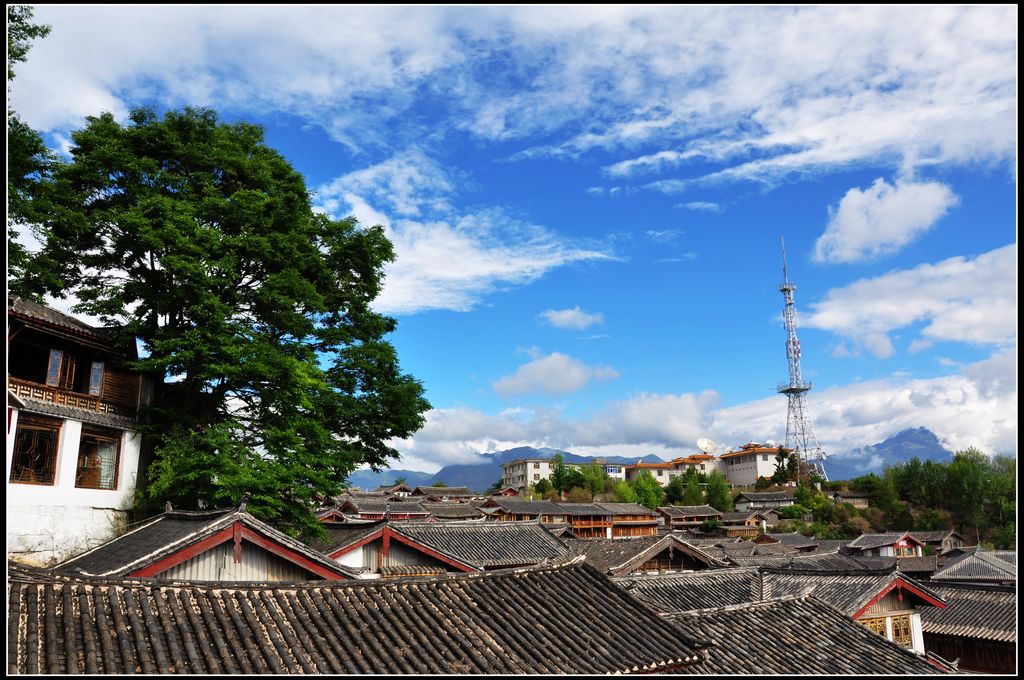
point(391, 534)
point(290, 555)
point(187, 553)
point(228, 534)
point(346, 549)
point(900, 583)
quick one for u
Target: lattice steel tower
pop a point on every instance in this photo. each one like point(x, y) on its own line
point(799, 431)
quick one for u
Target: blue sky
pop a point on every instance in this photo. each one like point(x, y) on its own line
point(587, 202)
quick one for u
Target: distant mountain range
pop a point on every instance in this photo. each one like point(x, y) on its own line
point(480, 475)
point(897, 449)
point(486, 470)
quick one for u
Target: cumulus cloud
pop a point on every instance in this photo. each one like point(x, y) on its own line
point(976, 406)
point(882, 219)
point(960, 299)
point(445, 259)
point(575, 318)
point(762, 92)
point(555, 374)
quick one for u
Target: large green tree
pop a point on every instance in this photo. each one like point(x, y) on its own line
point(200, 241)
point(28, 159)
point(648, 491)
point(717, 491)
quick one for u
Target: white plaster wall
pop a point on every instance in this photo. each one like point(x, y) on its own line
point(46, 523)
point(747, 472)
point(352, 559)
point(917, 633)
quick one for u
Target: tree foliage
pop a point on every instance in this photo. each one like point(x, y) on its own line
point(717, 491)
point(648, 492)
point(693, 494)
point(559, 473)
point(593, 478)
point(28, 160)
point(623, 492)
point(675, 490)
point(200, 241)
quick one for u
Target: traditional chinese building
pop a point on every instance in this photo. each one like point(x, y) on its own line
point(73, 445)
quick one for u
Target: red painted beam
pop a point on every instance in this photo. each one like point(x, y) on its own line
point(236, 531)
point(186, 553)
point(903, 585)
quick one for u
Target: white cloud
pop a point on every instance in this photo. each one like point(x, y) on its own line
point(761, 91)
point(409, 184)
point(882, 219)
point(960, 299)
point(449, 260)
point(977, 406)
point(706, 206)
point(555, 374)
point(575, 318)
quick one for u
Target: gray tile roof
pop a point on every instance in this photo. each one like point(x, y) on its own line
point(616, 509)
point(343, 534)
point(555, 620)
point(926, 564)
point(973, 613)
point(611, 555)
point(932, 536)
point(172, 532)
point(19, 306)
point(979, 566)
point(870, 541)
point(378, 506)
point(794, 540)
point(698, 590)
point(439, 491)
point(47, 408)
point(689, 510)
point(519, 506)
point(848, 592)
point(490, 544)
point(583, 509)
point(452, 511)
point(796, 635)
point(766, 495)
point(822, 561)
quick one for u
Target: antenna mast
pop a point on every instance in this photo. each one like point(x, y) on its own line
point(800, 437)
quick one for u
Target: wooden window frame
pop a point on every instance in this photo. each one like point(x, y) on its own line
point(84, 474)
point(903, 631)
point(25, 470)
point(875, 625)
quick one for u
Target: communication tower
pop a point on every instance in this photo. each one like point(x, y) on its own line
point(799, 431)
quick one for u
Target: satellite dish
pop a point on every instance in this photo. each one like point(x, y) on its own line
point(771, 444)
point(707, 445)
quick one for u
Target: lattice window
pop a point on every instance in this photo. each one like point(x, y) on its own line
point(60, 371)
point(874, 625)
point(35, 450)
point(901, 631)
point(97, 459)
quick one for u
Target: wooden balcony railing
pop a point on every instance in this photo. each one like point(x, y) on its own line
point(55, 395)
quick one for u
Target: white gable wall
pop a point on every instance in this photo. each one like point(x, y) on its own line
point(47, 523)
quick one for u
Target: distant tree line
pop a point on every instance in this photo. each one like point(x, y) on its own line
point(974, 494)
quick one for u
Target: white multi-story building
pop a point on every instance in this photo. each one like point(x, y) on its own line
point(73, 447)
point(704, 463)
point(751, 461)
point(523, 473)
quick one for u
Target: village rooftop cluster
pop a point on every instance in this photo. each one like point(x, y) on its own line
point(442, 579)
